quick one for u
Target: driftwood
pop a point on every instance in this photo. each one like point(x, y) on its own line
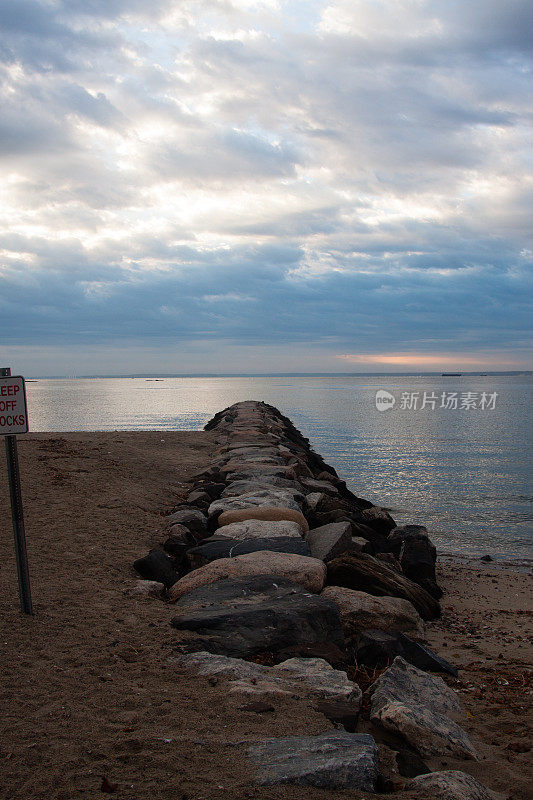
point(367, 574)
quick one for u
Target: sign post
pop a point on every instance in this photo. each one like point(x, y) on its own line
point(13, 420)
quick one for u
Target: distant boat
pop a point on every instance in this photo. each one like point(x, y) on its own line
point(451, 374)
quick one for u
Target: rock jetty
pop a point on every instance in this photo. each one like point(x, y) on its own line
point(287, 583)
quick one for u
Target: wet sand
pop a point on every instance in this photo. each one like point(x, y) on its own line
point(87, 687)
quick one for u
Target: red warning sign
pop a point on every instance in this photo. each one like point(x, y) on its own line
point(13, 410)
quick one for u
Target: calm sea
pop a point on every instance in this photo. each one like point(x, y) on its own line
point(463, 472)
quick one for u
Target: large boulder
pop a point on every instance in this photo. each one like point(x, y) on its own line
point(326, 487)
point(418, 707)
point(306, 678)
point(379, 519)
point(417, 556)
point(330, 541)
point(279, 498)
point(405, 683)
point(263, 512)
point(303, 570)
point(242, 618)
point(229, 548)
point(361, 611)
point(261, 529)
point(364, 573)
point(447, 785)
point(331, 760)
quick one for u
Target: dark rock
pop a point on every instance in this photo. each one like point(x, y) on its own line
point(364, 573)
point(317, 519)
point(379, 519)
point(329, 541)
point(244, 617)
point(199, 498)
point(486, 558)
point(177, 547)
point(228, 548)
point(422, 657)
point(214, 490)
point(191, 518)
point(377, 649)
point(398, 535)
point(157, 566)
point(410, 764)
point(331, 760)
point(342, 712)
point(390, 560)
point(417, 558)
point(377, 540)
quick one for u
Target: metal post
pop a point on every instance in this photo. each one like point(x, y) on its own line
point(18, 516)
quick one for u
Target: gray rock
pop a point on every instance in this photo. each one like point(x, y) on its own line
point(267, 482)
point(329, 541)
point(361, 611)
point(430, 733)
point(313, 500)
point(243, 617)
point(247, 472)
point(311, 678)
point(260, 529)
point(405, 683)
point(410, 703)
point(271, 497)
point(254, 452)
point(448, 785)
point(331, 760)
point(359, 545)
point(320, 486)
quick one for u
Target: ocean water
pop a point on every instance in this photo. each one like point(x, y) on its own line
point(463, 472)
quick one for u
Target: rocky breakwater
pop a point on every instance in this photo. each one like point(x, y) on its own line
point(285, 582)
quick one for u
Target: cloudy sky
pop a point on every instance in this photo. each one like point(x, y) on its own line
point(261, 185)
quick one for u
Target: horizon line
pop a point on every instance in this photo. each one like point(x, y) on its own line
point(164, 375)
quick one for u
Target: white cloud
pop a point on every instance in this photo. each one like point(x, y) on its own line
point(256, 153)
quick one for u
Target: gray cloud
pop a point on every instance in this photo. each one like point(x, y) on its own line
point(357, 177)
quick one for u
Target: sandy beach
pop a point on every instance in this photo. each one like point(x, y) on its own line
point(89, 691)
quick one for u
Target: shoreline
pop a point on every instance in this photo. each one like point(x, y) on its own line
point(87, 687)
point(517, 565)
